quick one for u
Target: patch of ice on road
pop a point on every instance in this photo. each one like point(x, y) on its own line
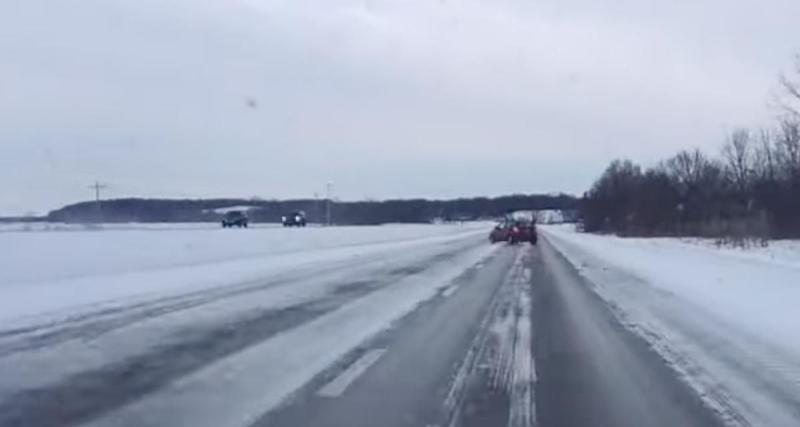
point(727, 320)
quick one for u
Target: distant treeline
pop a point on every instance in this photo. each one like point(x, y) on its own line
point(362, 212)
point(751, 189)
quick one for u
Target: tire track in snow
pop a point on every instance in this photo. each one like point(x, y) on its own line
point(500, 367)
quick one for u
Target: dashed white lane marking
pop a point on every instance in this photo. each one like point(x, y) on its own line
point(339, 384)
point(450, 290)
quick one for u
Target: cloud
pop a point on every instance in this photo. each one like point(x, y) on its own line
point(385, 98)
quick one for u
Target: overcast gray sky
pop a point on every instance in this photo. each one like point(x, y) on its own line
point(414, 98)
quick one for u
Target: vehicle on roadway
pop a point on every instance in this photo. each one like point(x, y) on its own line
point(522, 231)
point(235, 219)
point(295, 219)
point(499, 233)
point(514, 232)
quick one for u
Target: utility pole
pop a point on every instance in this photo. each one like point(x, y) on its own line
point(97, 187)
point(328, 196)
point(317, 208)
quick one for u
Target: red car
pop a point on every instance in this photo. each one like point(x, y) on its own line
point(521, 232)
point(514, 232)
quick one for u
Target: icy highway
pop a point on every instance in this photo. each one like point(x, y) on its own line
point(427, 329)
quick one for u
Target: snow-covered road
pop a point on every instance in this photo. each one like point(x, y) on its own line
point(44, 271)
point(284, 303)
point(397, 325)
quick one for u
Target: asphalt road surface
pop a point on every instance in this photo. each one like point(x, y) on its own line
point(516, 340)
point(452, 363)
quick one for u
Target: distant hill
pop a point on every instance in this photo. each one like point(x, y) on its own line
point(361, 212)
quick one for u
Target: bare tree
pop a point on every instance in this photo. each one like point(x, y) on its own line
point(738, 157)
point(698, 180)
point(691, 168)
point(764, 157)
point(789, 99)
point(751, 190)
point(788, 146)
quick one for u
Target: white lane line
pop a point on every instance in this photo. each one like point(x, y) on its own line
point(450, 290)
point(339, 384)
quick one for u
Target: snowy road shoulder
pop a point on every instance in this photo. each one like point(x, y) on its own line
point(728, 326)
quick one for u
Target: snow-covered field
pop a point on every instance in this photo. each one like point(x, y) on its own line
point(727, 319)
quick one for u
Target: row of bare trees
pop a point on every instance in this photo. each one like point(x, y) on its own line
point(750, 189)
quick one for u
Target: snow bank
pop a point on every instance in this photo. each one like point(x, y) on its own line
point(784, 252)
point(727, 319)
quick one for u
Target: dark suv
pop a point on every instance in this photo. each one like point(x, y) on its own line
point(235, 219)
point(294, 219)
